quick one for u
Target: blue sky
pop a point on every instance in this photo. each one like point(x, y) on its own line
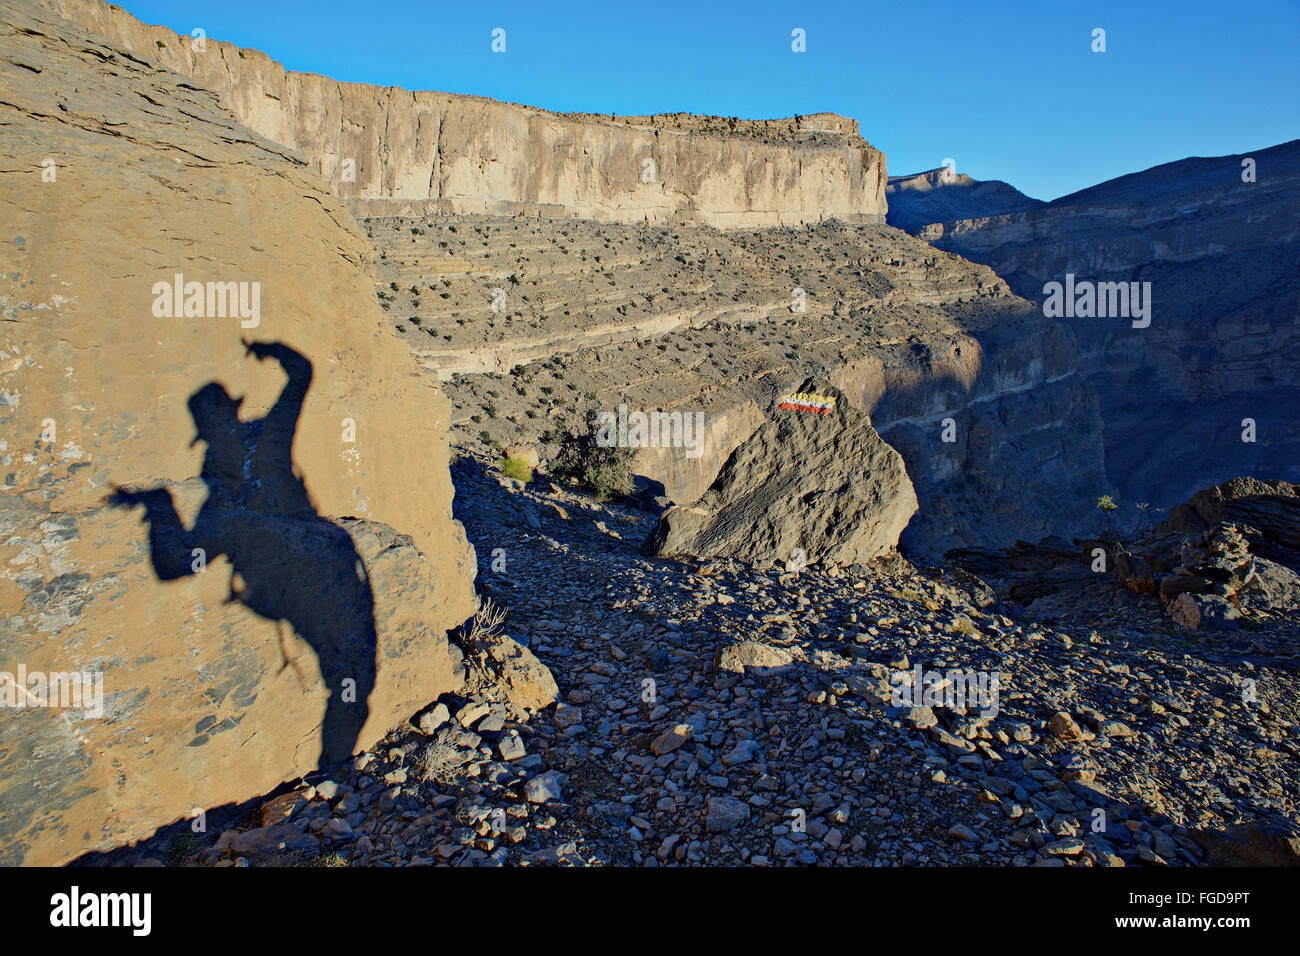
point(1009, 90)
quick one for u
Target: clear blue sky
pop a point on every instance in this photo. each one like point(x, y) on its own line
point(1009, 90)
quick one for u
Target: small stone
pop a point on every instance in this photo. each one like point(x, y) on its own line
point(545, 786)
point(327, 790)
point(567, 715)
point(725, 814)
point(1064, 727)
point(670, 740)
point(491, 724)
point(431, 720)
point(511, 746)
point(470, 714)
point(282, 808)
point(762, 657)
point(743, 752)
point(281, 838)
point(921, 717)
point(1069, 846)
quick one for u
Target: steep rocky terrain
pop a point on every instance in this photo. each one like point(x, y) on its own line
point(1221, 255)
point(697, 320)
point(943, 195)
point(288, 596)
point(428, 153)
point(593, 704)
point(715, 714)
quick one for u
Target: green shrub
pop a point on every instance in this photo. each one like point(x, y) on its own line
point(602, 471)
point(182, 847)
point(1106, 508)
point(516, 468)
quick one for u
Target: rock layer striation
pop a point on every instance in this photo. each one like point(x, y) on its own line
point(286, 599)
point(395, 152)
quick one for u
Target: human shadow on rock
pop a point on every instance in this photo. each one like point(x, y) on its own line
point(288, 563)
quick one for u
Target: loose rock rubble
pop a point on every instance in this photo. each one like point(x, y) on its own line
point(714, 714)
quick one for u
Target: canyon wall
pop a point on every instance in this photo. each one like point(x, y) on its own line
point(975, 388)
point(395, 152)
point(916, 338)
point(1207, 391)
point(235, 523)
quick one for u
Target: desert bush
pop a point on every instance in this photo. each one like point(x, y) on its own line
point(485, 625)
point(516, 468)
point(601, 470)
point(1106, 508)
point(441, 762)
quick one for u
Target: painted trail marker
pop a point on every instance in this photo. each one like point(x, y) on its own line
point(810, 402)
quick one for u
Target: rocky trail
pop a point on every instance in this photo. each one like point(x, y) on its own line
point(713, 714)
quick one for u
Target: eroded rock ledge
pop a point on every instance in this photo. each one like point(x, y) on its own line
point(422, 153)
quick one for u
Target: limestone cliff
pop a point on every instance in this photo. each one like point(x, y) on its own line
point(286, 599)
point(415, 153)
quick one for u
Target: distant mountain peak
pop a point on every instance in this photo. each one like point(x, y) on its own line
point(943, 195)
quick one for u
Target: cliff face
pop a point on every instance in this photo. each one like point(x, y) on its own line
point(940, 195)
point(424, 152)
point(286, 597)
point(1223, 344)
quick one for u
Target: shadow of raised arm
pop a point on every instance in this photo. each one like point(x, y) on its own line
point(171, 544)
point(281, 421)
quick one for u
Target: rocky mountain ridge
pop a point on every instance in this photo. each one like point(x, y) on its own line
point(389, 151)
point(1206, 392)
point(944, 195)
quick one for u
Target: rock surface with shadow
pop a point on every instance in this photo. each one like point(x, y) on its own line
point(289, 599)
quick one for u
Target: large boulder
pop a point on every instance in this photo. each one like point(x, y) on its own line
point(1270, 841)
point(1269, 511)
point(286, 600)
point(814, 484)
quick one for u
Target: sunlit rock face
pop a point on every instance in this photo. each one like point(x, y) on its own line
point(229, 505)
point(395, 152)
